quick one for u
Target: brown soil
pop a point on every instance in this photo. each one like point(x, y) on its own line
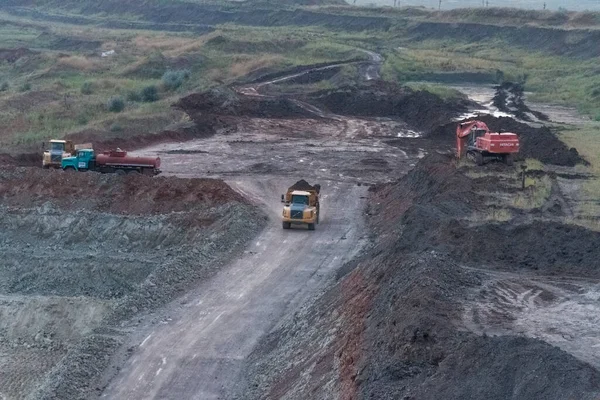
point(137, 194)
point(138, 141)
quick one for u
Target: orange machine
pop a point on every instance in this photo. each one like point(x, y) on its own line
point(474, 139)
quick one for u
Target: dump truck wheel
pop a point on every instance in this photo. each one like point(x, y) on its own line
point(69, 169)
point(133, 171)
point(311, 227)
point(287, 225)
point(120, 172)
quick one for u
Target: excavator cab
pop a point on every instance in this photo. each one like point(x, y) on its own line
point(475, 133)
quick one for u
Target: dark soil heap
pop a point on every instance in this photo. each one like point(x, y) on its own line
point(420, 109)
point(392, 326)
point(138, 195)
point(539, 143)
point(510, 98)
point(226, 102)
point(303, 185)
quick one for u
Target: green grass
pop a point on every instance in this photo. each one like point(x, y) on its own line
point(551, 79)
point(536, 193)
point(442, 91)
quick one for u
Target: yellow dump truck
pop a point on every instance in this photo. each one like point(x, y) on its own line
point(301, 205)
point(60, 149)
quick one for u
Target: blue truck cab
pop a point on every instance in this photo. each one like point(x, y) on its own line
point(83, 160)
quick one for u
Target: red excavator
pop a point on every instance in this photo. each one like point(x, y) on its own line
point(474, 139)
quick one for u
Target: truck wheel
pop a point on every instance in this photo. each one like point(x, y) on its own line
point(509, 160)
point(287, 225)
point(69, 169)
point(120, 172)
point(133, 171)
point(311, 227)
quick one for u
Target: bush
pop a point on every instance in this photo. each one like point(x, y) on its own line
point(115, 127)
point(150, 94)
point(4, 87)
point(25, 87)
point(87, 88)
point(134, 96)
point(174, 79)
point(116, 104)
point(597, 118)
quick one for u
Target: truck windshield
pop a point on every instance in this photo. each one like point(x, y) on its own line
point(297, 199)
point(57, 146)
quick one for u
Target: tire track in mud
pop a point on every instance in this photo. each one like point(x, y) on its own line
point(562, 311)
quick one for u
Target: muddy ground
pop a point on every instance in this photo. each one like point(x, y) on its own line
point(409, 288)
point(440, 308)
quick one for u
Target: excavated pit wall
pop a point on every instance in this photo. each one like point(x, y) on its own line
point(81, 253)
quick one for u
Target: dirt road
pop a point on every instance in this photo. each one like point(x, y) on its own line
point(198, 350)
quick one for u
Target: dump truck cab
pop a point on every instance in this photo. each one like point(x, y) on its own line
point(301, 207)
point(58, 149)
point(83, 160)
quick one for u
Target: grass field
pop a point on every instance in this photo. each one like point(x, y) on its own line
point(64, 86)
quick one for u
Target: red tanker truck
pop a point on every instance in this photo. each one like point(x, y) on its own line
point(113, 161)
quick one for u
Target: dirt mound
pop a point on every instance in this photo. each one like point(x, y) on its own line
point(393, 326)
point(135, 142)
point(510, 98)
point(225, 102)
point(422, 110)
point(12, 55)
point(139, 195)
point(21, 160)
point(547, 247)
point(539, 143)
point(303, 185)
point(433, 201)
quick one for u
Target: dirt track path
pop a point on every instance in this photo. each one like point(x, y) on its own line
point(199, 352)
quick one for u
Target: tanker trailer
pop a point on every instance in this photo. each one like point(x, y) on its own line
point(113, 161)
